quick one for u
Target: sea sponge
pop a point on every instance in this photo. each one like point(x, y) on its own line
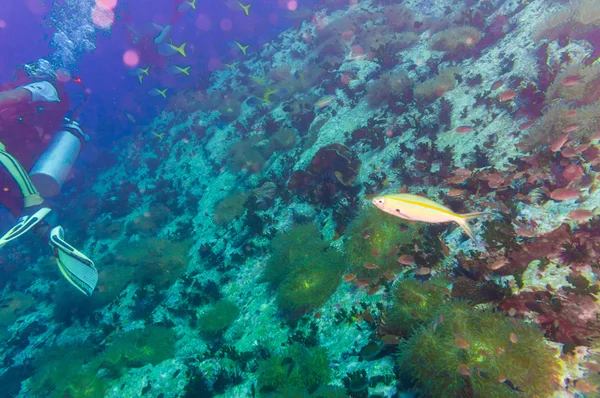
point(377, 237)
point(246, 155)
point(578, 84)
point(137, 348)
point(284, 139)
point(581, 17)
point(157, 261)
point(481, 354)
point(230, 208)
point(560, 120)
point(456, 39)
point(291, 247)
point(294, 367)
point(219, 318)
point(149, 222)
point(414, 304)
point(312, 281)
point(112, 279)
point(67, 371)
point(302, 270)
point(389, 88)
point(230, 109)
point(437, 86)
point(13, 305)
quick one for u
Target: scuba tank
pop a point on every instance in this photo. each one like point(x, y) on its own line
point(53, 166)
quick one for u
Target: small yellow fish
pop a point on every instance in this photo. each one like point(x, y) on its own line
point(246, 8)
point(232, 65)
point(259, 80)
point(160, 136)
point(418, 208)
point(241, 47)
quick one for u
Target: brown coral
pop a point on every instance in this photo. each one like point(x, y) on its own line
point(436, 87)
point(388, 88)
point(455, 39)
point(581, 17)
point(577, 83)
point(230, 208)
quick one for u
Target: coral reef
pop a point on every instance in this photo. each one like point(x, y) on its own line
point(480, 354)
point(302, 270)
point(298, 367)
point(218, 318)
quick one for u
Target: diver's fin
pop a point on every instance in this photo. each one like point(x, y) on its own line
point(24, 224)
point(74, 265)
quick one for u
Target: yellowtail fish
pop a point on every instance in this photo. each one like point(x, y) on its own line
point(325, 101)
point(418, 208)
point(168, 49)
point(159, 136)
point(186, 6)
point(139, 71)
point(242, 48)
point(245, 7)
point(178, 70)
point(154, 92)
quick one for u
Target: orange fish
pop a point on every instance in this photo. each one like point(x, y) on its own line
point(463, 129)
point(558, 144)
point(462, 172)
point(456, 193)
point(507, 95)
point(445, 249)
point(561, 194)
point(513, 338)
point(570, 81)
point(424, 271)
point(371, 266)
point(497, 85)
point(570, 128)
point(464, 370)
point(580, 215)
point(349, 277)
point(461, 343)
point(406, 259)
point(456, 179)
point(526, 125)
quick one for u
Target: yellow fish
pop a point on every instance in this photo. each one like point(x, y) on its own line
point(246, 8)
point(418, 208)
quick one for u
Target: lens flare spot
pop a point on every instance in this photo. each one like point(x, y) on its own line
point(203, 23)
point(214, 64)
point(106, 4)
point(292, 5)
point(102, 18)
point(131, 58)
point(2, 24)
point(226, 24)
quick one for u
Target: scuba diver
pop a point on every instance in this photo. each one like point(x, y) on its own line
point(35, 136)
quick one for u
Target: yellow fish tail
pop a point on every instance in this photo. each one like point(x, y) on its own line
point(180, 49)
point(463, 221)
point(465, 226)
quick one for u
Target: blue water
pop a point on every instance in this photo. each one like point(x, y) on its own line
point(378, 199)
